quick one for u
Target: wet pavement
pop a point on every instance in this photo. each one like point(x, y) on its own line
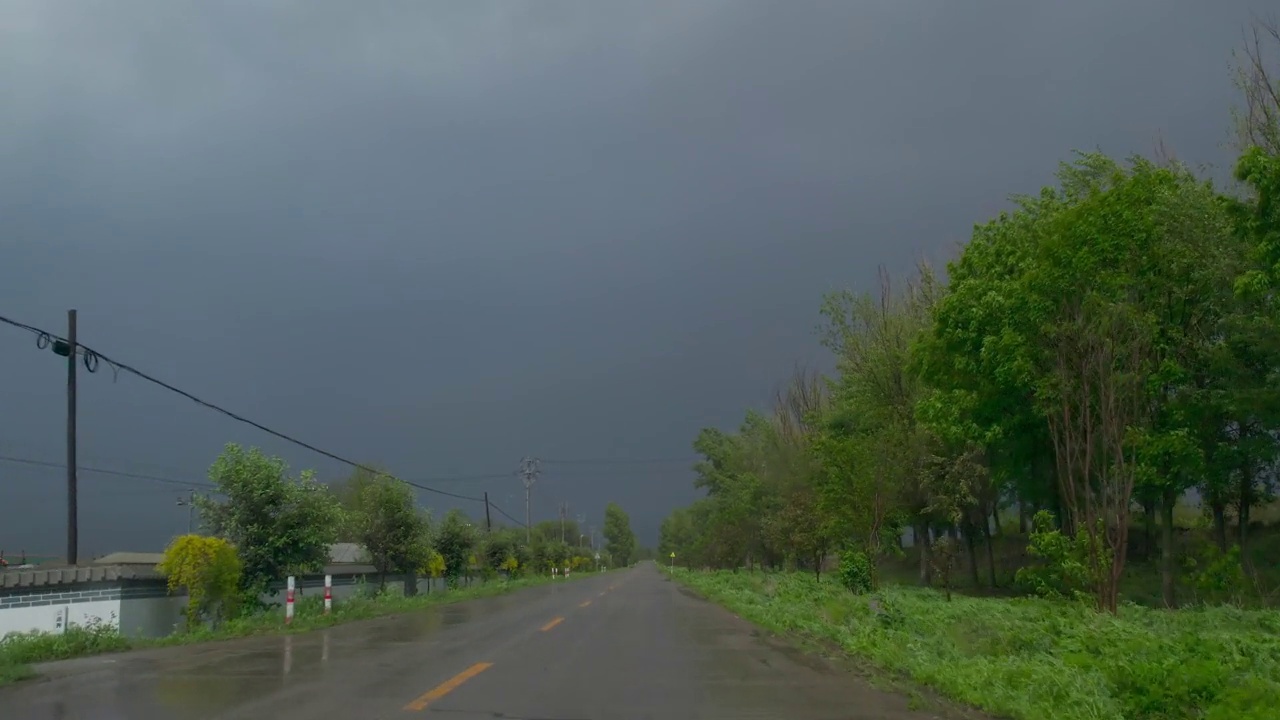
point(628, 644)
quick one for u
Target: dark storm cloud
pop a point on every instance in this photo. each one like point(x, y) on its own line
point(440, 236)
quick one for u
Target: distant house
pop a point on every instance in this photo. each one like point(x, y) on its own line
point(348, 554)
point(130, 558)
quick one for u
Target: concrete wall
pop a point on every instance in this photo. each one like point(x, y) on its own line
point(142, 607)
point(39, 608)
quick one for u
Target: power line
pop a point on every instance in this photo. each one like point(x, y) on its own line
point(45, 336)
point(104, 471)
point(467, 478)
point(446, 493)
point(624, 461)
point(505, 514)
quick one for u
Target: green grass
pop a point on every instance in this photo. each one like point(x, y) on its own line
point(20, 650)
point(1027, 658)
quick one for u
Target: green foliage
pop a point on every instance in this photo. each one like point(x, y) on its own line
point(1030, 659)
point(280, 525)
point(96, 636)
point(434, 565)
point(386, 521)
point(1060, 571)
point(209, 570)
point(620, 542)
point(455, 541)
point(1219, 576)
point(856, 572)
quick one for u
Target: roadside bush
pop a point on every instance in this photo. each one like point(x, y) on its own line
point(856, 573)
point(91, 638)
point(1218, 576)
point(1059, 570)
point(209, 570)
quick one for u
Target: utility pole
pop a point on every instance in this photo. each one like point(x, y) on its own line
point(488, 524)
point(582, 525)
point(528, 475)
point(190, 502)
point(73, 528)
point(564, 508)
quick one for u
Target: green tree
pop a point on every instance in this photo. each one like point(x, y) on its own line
point(348, 493)
point(620, 542)
point(872, 448)
point(279, 525)
point(456, 541)
point(387, 522)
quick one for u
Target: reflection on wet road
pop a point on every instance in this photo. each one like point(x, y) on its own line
point(628, 644)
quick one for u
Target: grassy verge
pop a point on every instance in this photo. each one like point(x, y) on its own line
point(19, 651)
point(1027, 658)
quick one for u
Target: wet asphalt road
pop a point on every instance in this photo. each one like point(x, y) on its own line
point(627, 644)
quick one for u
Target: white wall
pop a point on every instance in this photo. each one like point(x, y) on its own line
point(151, 617)
point(44, 617)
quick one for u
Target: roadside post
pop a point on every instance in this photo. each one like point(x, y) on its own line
point(673, 561)
point(328, 595)
point(288, 602)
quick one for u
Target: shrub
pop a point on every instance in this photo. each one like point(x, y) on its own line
point(1060, 570)
point(209, 569)
point(856, 571)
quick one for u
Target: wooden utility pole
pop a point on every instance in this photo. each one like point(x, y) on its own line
point(488, 524)
point(73, 539)
point(528, 475)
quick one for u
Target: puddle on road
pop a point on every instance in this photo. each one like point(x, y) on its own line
point(410, 628)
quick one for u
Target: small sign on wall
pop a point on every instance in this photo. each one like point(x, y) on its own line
point(60, 619)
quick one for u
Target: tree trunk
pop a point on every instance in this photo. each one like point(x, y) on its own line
point(1246, 504)
point(973, 556)
point(1149, 528)
point(1022, 518)
point(1219, 523)
point(991, 555)
point(410, 584)
point(995, 518)
point(1167, 502)
point(921, 530)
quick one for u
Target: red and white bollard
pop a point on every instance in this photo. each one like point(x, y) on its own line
point(328, 594)
point(288, 602)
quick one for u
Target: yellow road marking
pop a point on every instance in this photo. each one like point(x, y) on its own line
point(552, 624)
point(447, 686)
point(584, 604)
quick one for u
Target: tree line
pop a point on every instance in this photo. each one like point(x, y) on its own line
point(274, 524)
point(1099, 351)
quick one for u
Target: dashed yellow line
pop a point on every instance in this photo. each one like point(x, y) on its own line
point(584, 604)
point(552, 624)
point(447, 686)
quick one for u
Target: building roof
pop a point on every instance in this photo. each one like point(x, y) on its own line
point(68, 575)
point(347, 553)
point(130, 558)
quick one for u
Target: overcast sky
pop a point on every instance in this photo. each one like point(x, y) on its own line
point(440, 236)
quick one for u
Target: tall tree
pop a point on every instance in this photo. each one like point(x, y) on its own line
point(385, 519)
point(280, 525)
point(456, 540)
point(620, 542)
